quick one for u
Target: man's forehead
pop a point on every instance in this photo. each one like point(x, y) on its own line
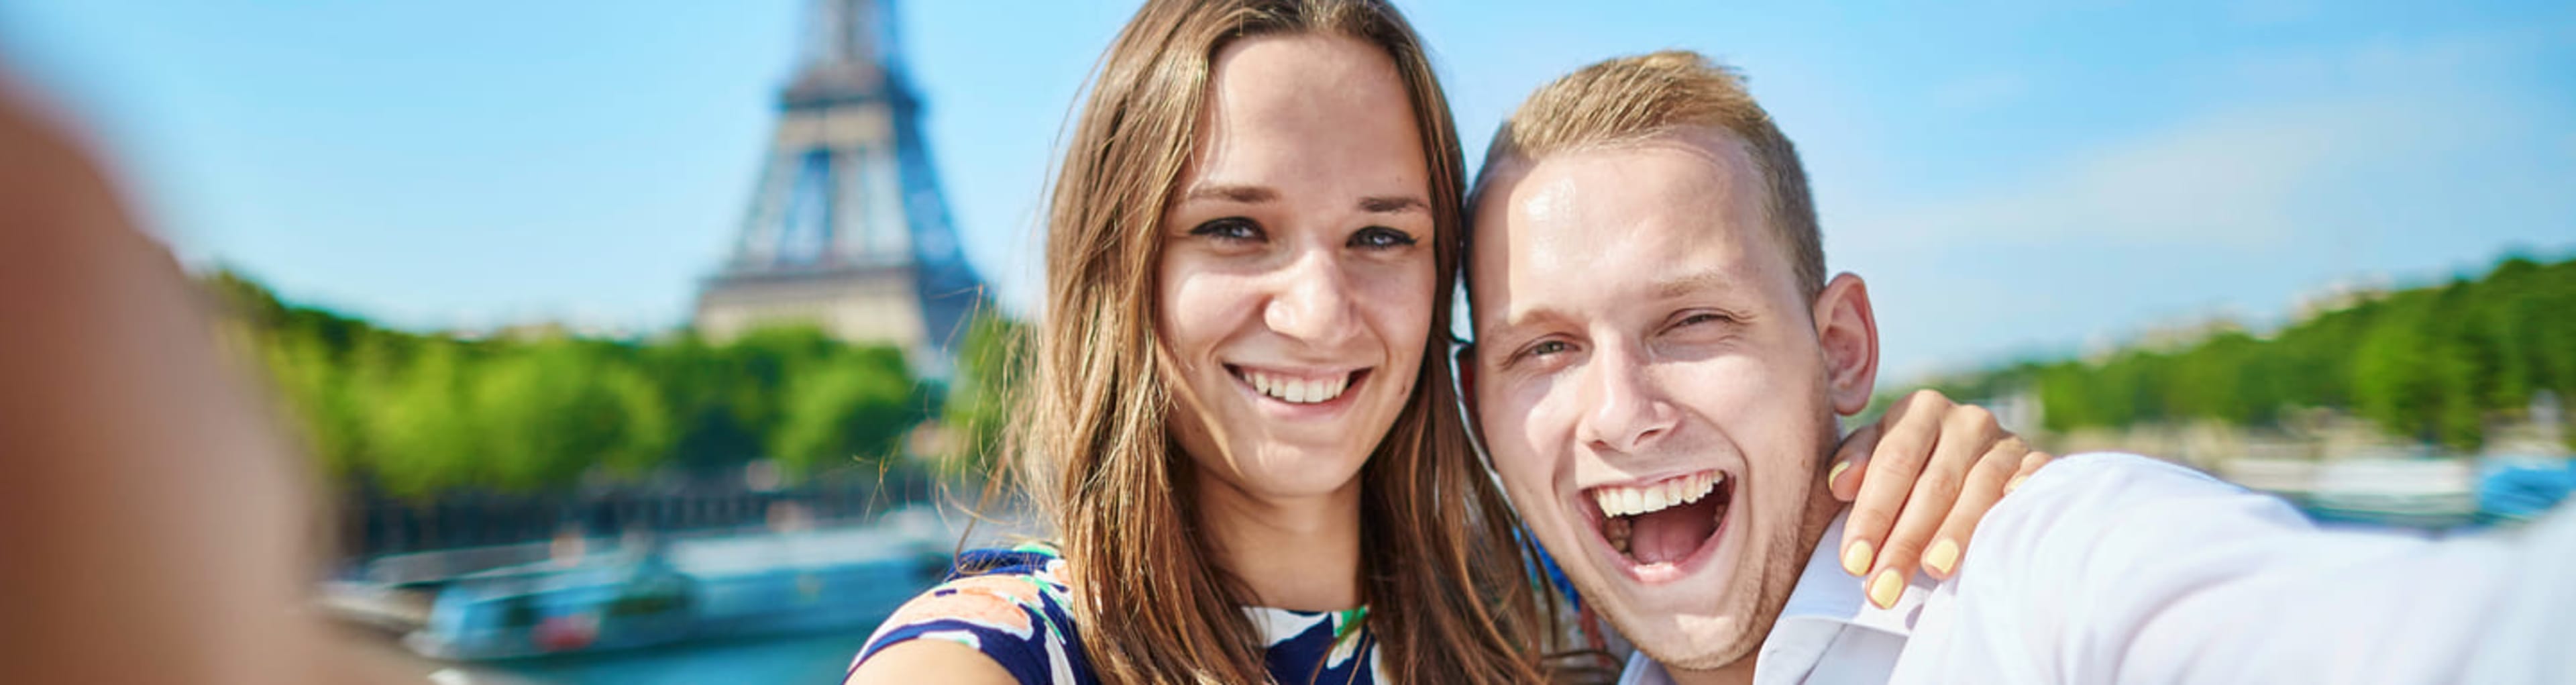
point(1631, 221)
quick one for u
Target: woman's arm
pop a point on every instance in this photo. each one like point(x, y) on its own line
point(929, 661)
point(1919, 479)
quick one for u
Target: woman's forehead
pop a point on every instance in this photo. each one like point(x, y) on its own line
point(1294, 110)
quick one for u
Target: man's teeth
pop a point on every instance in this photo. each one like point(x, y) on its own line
point(1628, 501)
point(1298, 390)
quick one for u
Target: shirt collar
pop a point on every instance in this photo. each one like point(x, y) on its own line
point(1825, 593)
point(1825, 601)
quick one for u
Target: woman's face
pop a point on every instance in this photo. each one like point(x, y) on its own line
point(1297, 267)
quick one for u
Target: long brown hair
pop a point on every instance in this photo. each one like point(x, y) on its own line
point(1450, 598)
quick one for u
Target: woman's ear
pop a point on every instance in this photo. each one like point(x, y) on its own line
point(1848, 332)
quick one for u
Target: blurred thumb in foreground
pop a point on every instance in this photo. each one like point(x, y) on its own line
point(153, 525)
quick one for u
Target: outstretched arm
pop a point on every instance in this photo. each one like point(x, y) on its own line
point(152, 524)
point(2117, 568)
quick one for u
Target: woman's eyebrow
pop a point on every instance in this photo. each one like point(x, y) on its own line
point(1245, 194)
point(1393, 204)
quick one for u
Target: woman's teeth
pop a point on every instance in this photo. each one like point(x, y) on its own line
point(1629, 501)
point(1298, 390)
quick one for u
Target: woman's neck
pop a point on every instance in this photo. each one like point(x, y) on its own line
point(1299, 553)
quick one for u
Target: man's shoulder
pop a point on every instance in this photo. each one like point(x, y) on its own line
point(2090, 467)
point(2113, 511)
point(2089, 545)
point(2108, 483)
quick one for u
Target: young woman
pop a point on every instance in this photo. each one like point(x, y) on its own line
point(1240, 430)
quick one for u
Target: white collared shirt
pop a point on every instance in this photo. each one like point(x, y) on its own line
point(1827, 632)
point(2107, 568)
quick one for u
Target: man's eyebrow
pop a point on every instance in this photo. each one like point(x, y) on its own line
point(1703, 281)
point(1393, 204)
point(1514, 322)
point(1250, 195)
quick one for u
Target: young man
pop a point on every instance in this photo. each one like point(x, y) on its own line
point(1658, 366)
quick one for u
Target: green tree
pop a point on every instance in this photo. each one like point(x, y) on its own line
point(989, 366)
point(320, 397)
point(705, 388)
point(551, 412)
point(423, 440)
point(856, 407)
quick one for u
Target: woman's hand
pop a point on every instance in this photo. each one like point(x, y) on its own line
point(1918, 480)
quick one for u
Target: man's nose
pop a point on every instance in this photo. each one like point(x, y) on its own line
point(1313, 303)
point(1627, 410)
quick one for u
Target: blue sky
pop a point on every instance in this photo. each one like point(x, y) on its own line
point(2012, 179)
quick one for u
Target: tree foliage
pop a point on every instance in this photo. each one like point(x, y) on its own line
point(2437, 363)
point(991, 368)
point(415, 415)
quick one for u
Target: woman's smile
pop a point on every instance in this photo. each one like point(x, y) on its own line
point(1300, 393)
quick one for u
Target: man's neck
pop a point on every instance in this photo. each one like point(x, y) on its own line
point(1295, 553)
point(1812, 524)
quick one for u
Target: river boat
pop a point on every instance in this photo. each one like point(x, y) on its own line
point(643, 594)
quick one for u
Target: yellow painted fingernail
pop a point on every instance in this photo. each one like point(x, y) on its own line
point(2014, 483)
point(1884, 589)
point(1856, 558)
point(1837, 474)
point(1942, 555)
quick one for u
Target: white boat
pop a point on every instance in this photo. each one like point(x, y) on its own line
point(692, 589)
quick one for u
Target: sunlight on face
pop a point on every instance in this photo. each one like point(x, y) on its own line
point(1297, 267)
point(1651, 388)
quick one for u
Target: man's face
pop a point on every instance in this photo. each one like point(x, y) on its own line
point(1655, 388)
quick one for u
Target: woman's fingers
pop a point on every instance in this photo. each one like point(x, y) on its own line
point(2030, 464)
point(1911, 430)
point(1844, 479)
point(1986, 484)
point(1967, 434)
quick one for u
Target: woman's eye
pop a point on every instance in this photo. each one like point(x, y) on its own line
point(1229, 229)
point(1379, 237)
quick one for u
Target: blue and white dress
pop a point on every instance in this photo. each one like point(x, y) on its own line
point(1014, 607)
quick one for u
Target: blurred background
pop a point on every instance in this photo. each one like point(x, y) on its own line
point(644, 342)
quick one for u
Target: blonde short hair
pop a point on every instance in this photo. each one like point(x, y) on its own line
point(1662, 94)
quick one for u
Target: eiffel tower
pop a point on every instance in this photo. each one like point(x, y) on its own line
point(847, 228)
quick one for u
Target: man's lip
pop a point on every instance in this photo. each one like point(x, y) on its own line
point(1639, 482)
point(1581, 500)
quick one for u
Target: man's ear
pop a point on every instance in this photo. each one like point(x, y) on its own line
point(1848, 332)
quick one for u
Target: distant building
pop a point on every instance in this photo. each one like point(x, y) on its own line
point(847, 228)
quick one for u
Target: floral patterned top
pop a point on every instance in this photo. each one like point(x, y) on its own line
point(1012, 605)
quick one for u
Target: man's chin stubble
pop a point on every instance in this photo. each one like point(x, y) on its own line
point(1781, 570)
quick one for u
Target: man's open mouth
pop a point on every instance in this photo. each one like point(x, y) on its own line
point(1666, 521)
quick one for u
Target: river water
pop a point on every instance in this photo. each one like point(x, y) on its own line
point(815, 659)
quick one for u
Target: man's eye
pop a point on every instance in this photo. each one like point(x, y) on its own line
point(1380, 237)
point(1230, 229)
point(1544, 348)
point(1700, 318)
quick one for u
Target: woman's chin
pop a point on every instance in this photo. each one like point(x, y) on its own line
point(1280, 471)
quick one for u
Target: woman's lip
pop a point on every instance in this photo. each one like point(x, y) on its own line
point(1274, 406)
point(1296, 373)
